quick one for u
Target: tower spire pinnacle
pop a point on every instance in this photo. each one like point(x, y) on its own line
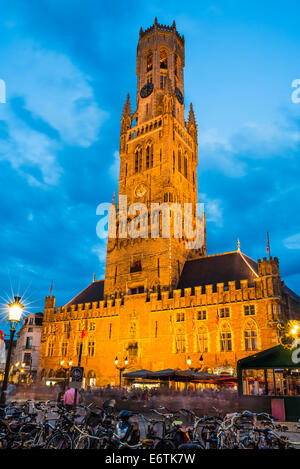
point(127, 107)
point(192, 124)
point(126, 115)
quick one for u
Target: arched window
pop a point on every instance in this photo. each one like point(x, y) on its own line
point(64, 349)
point(50, 349)
point(185, 166)
point(225, 338)
point(176, 64)
point(149, 156)
point(138, 160)
point(179, 160)
point(149, 62)
point(202, 339)
point(163, 59)
point(250, 336)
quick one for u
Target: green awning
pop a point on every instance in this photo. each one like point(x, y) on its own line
point(275, 357)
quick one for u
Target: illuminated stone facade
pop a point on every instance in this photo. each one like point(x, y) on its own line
point(161, 303)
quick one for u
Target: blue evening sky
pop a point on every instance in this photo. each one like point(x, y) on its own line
point(68, 65)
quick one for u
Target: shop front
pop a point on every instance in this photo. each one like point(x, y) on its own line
point(269, 381)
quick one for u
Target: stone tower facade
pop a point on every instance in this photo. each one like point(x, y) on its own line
point(158, 165)
point(162, 305)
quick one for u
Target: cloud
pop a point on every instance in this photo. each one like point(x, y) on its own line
point(292, 242)
point(213, 210)
point(58, 108)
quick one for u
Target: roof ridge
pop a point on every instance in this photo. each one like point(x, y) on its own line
point(74, 297)
point(213, 255)
point(247, 263)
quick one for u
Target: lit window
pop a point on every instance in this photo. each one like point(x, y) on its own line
point(163, 59)
point(149, 62)
point(226, 338)
point(250, 336)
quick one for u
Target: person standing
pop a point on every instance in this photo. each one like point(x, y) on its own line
point(69, 397)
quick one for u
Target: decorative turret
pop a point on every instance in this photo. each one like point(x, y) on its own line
point(191, 124)
point(268, 270)
point(126, 116)
point(50, 302)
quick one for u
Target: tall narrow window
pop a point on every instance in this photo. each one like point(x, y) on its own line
point(180, 343)
point(109, 333)
point(176, 65)
point(226, 338)
point(202, 340)
point(138, 159)
point(185, 167)
point(163, 59)
point(156, 328)
point(29, 343)
point(64, 349)
point(179, 160)
point(149, 62)
point(250, 336)
point(91, 349)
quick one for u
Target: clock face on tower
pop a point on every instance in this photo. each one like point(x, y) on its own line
point(179, 95)
point(140, 190)
point(146, 90)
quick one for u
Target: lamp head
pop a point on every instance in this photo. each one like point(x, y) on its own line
point(126, 361)
point(189, 361)
point(15, 310)
point(116, 361)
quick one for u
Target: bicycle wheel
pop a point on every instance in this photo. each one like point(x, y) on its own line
point(165, 445)
point(59, 441)
point(82, 442)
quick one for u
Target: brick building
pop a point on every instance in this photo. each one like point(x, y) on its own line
point(161, 302)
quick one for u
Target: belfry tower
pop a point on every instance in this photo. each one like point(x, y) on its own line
point(158, 165)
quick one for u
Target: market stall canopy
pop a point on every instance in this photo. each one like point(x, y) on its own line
point(171, 375)
point(275, 357)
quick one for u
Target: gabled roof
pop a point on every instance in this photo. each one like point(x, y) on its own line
point(275, 357)
point(94, 292)
point(219, 268)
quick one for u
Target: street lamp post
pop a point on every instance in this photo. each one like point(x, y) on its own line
point(121, 368)
point(14, 316)
point(66, 370)
point(189, 363)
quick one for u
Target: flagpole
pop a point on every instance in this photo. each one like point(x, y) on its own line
point(268, 246)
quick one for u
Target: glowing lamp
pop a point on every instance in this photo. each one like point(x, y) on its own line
point(15, 310)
